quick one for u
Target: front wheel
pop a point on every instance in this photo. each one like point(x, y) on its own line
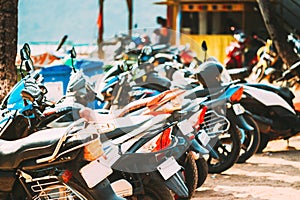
point(202, 170)
point(225, 152)
point(190, 172)
point(153, 191)
point(251, 140)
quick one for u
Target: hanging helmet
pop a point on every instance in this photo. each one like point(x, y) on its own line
point(209, 74)
point(240, 36)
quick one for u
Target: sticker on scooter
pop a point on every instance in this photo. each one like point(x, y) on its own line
point(168, 168)
point(203, 137)
point(238, 109)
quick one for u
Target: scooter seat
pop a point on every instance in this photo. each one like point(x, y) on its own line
point(204, 92)
point(117, 127)
point(41, 143)
point(284, 92)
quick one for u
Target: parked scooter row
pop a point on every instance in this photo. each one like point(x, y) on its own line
point(223, 148)
point(37, 108)
point(271, 126)
point(153, 129)
point(44, 146)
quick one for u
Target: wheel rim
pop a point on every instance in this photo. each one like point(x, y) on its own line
point(223, 148)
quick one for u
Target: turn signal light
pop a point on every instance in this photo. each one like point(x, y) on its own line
point(237, 95)
point(200, 118)
point(93, 150)
point(66, 176)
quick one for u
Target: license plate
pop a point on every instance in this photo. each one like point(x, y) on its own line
point(238, 109)
point(185, 127)
point(203, 137)
point(168, 168)
point(95, 172)
point(111, 152)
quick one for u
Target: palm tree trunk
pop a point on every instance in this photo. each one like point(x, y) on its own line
point(8, 45)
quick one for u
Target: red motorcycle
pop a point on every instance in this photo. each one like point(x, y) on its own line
point(241, 55)
point(235, 51)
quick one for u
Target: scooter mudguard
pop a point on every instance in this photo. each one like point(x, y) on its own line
point(177, 185)
point(104, 191)
point(239, 120)
point(242, 123)
point(199, 149)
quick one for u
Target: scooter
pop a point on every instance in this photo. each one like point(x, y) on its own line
point(30, 93)
point(269, 66)
point(54, 164)
point(273, 109)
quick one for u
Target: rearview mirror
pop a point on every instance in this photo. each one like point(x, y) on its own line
point(27, 48)
point(73, 53)
point(25, 52)
point(204, 46)
point(62, 41)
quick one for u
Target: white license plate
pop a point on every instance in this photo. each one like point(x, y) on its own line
point(111, 152)
point(95, 172)
point(203, 137)
point(185, 127)
point(238, 109)
point(169, 168)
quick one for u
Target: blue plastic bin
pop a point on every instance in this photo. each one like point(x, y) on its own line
point(90, 67)
point(59, 74)
point(56, 77)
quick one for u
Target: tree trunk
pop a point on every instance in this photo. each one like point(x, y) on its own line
point(8, 45)
point(277, 33)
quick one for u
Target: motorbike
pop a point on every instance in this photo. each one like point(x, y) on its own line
point(279, 118)
point(51, 114)
point(249, 134)
point(18, 114)
point(269, 66)
point(55, 164)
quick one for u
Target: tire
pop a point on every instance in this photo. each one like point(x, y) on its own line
point(190, 173)
point(227, 147)
point(251, 142)
point(153, 191)
point(202, 171)
point(264, 140)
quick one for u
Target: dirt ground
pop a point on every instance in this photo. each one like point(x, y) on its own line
point(274, 174)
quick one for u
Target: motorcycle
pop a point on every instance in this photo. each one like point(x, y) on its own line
point(54, 164)
point(269, 66)
point(30, 94)
point(249, 134)
point(279, 118)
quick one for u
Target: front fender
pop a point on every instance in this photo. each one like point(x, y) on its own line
point(242, 123)
point(239, 120)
